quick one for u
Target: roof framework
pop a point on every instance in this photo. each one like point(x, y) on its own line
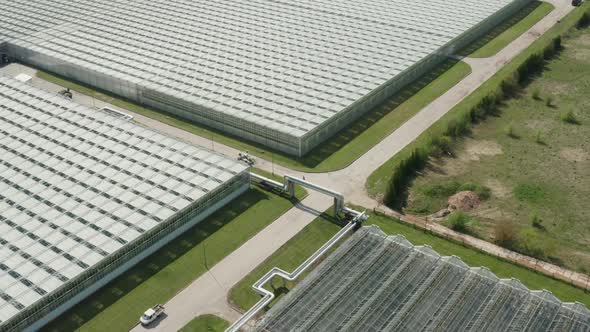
point(375, 282)
point(289, 66)
point(77, 185)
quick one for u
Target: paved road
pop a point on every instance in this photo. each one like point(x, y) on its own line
point(208, 293)
point(351, 180)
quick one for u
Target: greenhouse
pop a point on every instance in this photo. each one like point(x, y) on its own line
point(85, 195)
point(286, 74)
point(375, 282)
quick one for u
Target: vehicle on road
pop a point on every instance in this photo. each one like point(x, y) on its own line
point(66, 93)
point(151, 314)
point(577, 2)
point(245, 157)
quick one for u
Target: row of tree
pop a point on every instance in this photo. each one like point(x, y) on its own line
point(408, 167)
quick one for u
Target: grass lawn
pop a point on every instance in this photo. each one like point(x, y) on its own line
point(337, 152)
point(502, 35)
point(208, 323)
point(377, 182)
point(318, 232)
point(553, 191)
point(118, 305)
point(288, 258)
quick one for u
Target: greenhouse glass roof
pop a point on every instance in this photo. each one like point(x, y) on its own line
point(286, 65)
point(77, 184)
point(375, 282)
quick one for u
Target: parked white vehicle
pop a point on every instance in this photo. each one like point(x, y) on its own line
point(151, 314)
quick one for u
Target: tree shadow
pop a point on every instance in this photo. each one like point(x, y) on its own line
point(500, 29)
point(115, 290)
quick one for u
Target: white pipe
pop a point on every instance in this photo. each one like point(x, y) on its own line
point(290, 180)
point(268, 296)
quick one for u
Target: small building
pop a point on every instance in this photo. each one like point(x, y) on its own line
point(24, 78)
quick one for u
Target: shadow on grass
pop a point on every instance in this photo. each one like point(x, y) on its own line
point(500, 29)
point(346, 135)
point(121, 286)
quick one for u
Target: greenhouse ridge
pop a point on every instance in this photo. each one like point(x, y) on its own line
point(375, 282)
point(84, 195)
point(285, 74)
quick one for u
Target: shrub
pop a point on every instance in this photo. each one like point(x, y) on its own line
point(459, 126)
point(531, 243)
point(539, 138)
point(403, 174)
point(537, 222)
point(510, 86)
point(569, 117)
point(549, 51)
point(557, 42)
point(553, 48)
point(444, 144)
point(537, 94)
point(549, 101)
point(510, 132)
point(531, 65)
point(486, 106)
point(482, 192)
point(584, 21)
point(459, 221)
point(505, 234)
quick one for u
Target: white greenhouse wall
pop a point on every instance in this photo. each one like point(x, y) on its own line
point(36, 316)
point(270, 135)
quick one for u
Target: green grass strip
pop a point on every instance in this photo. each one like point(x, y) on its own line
point(118, 305)
point(505, 33)
point(206, 323)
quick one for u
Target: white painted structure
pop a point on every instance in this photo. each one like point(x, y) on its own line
point(287, 74)
point(85, 195)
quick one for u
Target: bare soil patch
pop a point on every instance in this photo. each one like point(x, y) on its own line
point(493, 214)
point(559, 88)
point(583, 40)
point(543, 125)
point(574, 155)
point(498, 188)
point(475, 149)
point(464, 201)
point(581, 54)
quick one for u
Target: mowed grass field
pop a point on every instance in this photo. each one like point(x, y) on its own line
point(534, 156)
point(118, 305)
point(206, 323)
point(313, 236)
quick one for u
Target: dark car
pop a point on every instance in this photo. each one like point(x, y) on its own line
point(577, 2)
